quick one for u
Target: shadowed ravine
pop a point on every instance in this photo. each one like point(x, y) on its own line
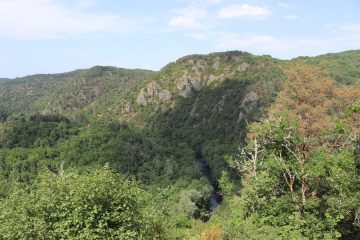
point(204, 168)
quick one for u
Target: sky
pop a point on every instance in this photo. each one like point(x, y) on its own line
point(51, 36)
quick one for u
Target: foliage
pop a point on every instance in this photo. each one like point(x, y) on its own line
point(211, 233)
point(342, 67)
point(2, 80)
point(297, 124)
point(36, 131)
point(314, 97)
point(64, 93)
point(97, 205)
point(299, 173)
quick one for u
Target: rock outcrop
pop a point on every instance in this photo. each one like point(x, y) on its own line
point(247, 104)
point(243, 67)
point(188, 84)
point(165, 96)
point(153, 93)
point(128, 108)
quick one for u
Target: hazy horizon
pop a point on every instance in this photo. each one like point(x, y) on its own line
point(76, 69)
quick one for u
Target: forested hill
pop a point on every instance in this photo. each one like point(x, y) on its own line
point(278, 139)
point(66, 92)
point(342, 67)
point(2, 80)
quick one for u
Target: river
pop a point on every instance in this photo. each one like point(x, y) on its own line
point(204, 168)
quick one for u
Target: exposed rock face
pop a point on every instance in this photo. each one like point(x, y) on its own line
point(260, 65)
point(196, 84)
point(148, 93)
point(200, 65)
point(165, 96)
point(191, 61)
point(220, 78)
point(243, 67)
point(235, 58)
point(187, 84)
point(247, 104)
point(196, 72)
point(141, 99)
point(211, 78)
point(250, 99)
point(186, 93)
point(216, 63)
point(127, 109)
point(183, 83)
point(153, 92)
point(152, 89)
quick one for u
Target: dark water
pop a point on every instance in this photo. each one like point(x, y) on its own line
point(203, 167)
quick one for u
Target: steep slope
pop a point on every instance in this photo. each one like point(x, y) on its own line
point(199, 99)
point(343, 67)
point(2, 80)
point(94, 89)
point(300, 164)
point(207, 101)
point(195, 108)
point(163, 129)
point(203, 100)
point(63, 93)
point(19, 94)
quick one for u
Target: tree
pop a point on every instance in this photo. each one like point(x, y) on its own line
point(313, 98)
point(300, 187)
point(97, 205)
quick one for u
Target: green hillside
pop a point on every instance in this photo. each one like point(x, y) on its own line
point(60, 93)
point(343, 67)
point(2, 80)
point(227, 145)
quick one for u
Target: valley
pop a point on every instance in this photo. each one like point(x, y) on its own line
point(228, 145)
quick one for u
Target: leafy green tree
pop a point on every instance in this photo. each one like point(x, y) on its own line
point(296, 186)
point(97, 205)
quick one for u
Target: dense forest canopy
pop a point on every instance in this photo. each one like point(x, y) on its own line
point(111, 153)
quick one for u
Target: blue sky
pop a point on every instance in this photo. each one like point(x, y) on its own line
point(49, 36)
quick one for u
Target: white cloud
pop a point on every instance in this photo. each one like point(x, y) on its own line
point(202, 2)
point(227, 40)
point(193, 12)
point(244, 11)
point(188, 18)
point(84, 4)
point(184, 22)
point(199, 36)
point(350, 28)
point(214, 1)
point(291, 17)
point(50, 19)
point(283, 5)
